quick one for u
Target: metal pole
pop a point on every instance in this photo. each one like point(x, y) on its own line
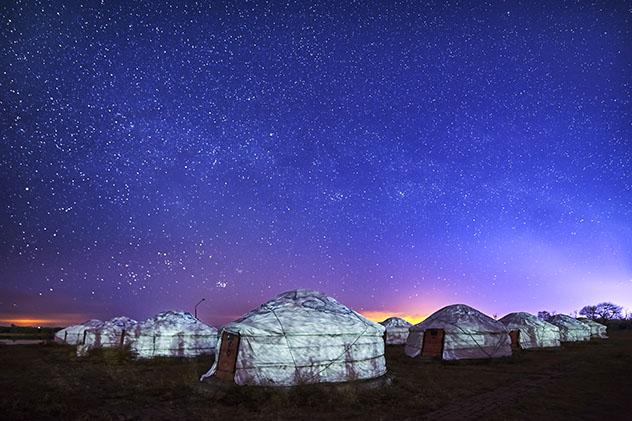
point(196, 306)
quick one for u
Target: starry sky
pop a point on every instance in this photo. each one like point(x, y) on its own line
point(399, 156)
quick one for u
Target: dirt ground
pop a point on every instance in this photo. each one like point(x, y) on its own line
point(586, 381)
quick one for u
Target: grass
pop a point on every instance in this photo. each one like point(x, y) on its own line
point(21, 332)
point(587, 381)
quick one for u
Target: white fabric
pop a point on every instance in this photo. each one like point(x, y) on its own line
point(73, 335)
point(304, 337)
point(571, 330)
point(173, 334)
point(597, 330)
point(468, 334)
point(114, 333)
point(396, 330)
point(534, 333)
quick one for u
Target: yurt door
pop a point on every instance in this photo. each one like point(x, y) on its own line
point(515, 338)
point(433, 343)
point(227, 356)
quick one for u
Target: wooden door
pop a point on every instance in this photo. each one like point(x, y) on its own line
point(227, 357)
point(433, 343)
point(515, 339)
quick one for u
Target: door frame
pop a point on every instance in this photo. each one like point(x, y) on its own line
point(515, 332)
point(228, 356)
point(430, 333)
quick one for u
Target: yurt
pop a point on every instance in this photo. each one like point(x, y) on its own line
point(571, 330)
point(458, 332)
point(527, 331)
point(73, 335)
point(173, 334)
point(597, 330)
point(117, 332)
point(396, 330)
point(299, 337)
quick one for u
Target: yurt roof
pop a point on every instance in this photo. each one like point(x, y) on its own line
point(591, 323)
point(460, 318)
point(395, 322)
point(93, 323)
point(174, 322)
point(116, 324)
point(87, 324)
point(566, 321)
point(520, 319)
point(303, 312)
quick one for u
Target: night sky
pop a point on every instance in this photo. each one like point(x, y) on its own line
point(399, 156)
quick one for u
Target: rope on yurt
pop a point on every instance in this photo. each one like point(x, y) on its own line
point(347, 348)
point(287, 341)
point(473, 339)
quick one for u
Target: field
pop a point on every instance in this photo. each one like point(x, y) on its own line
point(20, 332)
point(588, 381)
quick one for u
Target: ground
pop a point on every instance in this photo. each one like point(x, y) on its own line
point(587, 381)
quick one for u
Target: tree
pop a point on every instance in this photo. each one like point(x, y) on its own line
point(590, 312)
point(608, 311)
point(544, 315)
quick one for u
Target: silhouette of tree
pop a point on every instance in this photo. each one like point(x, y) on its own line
point(608, 311)
point(590, 312)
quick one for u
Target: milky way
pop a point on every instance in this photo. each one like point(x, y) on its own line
point(400, 156)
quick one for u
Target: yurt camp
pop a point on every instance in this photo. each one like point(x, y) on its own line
point(396, 330)
point(529, 332)
point(458, 332)
point(73, 335)
point(571, 330)
point(597, 330)
point(173, 334)
point(299, 337)
point(117, 332)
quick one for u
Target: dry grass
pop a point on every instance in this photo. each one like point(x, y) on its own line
point(590, 381)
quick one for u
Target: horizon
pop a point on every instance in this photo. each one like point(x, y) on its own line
point(399, 157)
point(65, 320)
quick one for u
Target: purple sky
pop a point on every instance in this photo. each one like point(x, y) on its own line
point(398, 156)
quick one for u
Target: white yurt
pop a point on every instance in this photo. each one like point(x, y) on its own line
point(396, 330)
point(528, 332)
point(458, 332)
point(173, 334)
point(117, 332)
point(73, 335)
point(299, 337)
point(571, 330)
point(597, 330)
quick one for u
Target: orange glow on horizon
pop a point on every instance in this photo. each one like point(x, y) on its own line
point(31, 322)
point(51, 320)
point(378, 316)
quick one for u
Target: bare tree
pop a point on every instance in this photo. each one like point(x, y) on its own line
point(608, 311)
point(590, 312)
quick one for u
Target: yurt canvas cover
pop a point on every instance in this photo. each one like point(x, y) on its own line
point(396, 330)
point(117, 332)
point(173, 334)
point(299, 337)
point(533, 332)
point(571, 330)
point(73, 335)
point(458, 332)
point(597, 330)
